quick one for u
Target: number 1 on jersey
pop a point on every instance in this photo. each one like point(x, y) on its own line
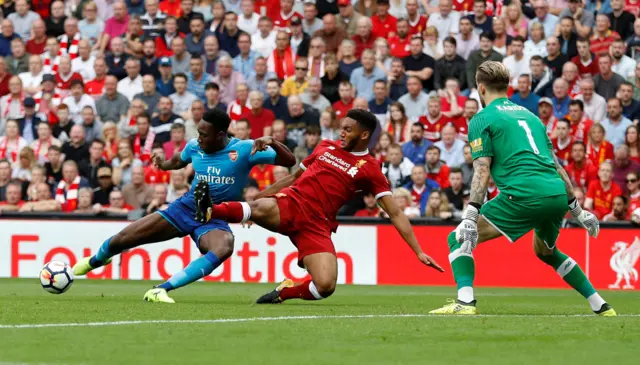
point(526, 128)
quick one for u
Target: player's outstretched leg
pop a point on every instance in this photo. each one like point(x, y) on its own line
point(216, 246)
point(323, 268)
point(152, 228)
point(463, 267)
point(573, 275)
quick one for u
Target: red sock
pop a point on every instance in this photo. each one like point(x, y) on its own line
point(231, 212)
point(298, 292)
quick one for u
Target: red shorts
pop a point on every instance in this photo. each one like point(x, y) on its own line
point(308, 230)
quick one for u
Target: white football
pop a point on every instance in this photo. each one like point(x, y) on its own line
point(56, 277)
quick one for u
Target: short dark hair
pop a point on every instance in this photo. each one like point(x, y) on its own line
point(98, 141)
point(364, 118)
point(218, 118)
point(4, 160)
point(583, 40)
point(578, 103)
point(626, 83)
point(565, 120)
point(245, 121)
point(536, 58)
point(312, 129)
point(55, 148)
point(177, 126)
point(181, 74)
point(488, 35)
point(566, 17)
point(451, 41)
point(433, 147)
point(211, 85)
point(580, 143)
point(144, 115)
point(76, 82)
point(419, 125)
point(518, 39)
point(455, 170)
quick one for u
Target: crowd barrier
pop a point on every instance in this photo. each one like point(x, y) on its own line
point(370, 252)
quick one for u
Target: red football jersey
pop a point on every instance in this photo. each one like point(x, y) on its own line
point(634, 203)
point(464, 7)
point(63, 84)
point(492, 192)
point(432, 127)
point(95, 88)
point(417, 26)
point(603, 153)
point(341, 108)
point(416, 195)
point(588, 69)
point(381, 28)
point(283, 21)
point(601, 46)
point(153, 175)
point(563, 152)
point(399, 48)
point(602, 200)
point(580, 131)
point(441, 177)
point(446, 106)
point(332, 176)
point(582, 177)
point(267, 8)
point(263, 175)
point(462, 125)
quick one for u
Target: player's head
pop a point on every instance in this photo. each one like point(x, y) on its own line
point(212, 130)
point(356, 129)
point(492, 79)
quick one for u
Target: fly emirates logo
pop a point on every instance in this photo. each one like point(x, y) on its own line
point(213, 177)
point(339, 163)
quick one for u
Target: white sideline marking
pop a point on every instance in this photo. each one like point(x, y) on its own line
point(287, 318)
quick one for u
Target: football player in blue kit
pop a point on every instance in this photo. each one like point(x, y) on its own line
point(224, 163)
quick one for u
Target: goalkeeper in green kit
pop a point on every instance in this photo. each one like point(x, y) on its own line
point(511, 144)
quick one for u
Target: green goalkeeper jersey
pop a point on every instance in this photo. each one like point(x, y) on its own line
point(521, 152)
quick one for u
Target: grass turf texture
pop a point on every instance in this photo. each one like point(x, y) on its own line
point(522, 326)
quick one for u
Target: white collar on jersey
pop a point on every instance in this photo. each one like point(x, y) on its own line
point(362, 153)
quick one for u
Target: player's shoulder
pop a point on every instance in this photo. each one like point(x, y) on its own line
point(327, 144)
point(192, 146)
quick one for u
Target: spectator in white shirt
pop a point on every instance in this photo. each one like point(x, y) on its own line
point(517, 63)
point(77, 101)
point(451, 148)
point(264, 41)
point(22, 19)
point(32, 79)
point(83, 64)
point(248, 20)
point(446, 20)
point(182, 99)
point(397, 168)
point(595, 107)
point(623, 65)
point(132, 84)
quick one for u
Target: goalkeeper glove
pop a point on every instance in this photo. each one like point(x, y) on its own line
point(586, 219)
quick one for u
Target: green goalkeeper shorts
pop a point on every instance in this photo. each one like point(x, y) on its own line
point(515, 217)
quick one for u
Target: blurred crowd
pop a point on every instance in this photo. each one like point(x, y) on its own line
point(90, 90)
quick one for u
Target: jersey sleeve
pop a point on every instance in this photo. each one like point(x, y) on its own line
point(480, 137)
point(189, 150)
point(591, 189)
point(267, 157)
point(376, 183)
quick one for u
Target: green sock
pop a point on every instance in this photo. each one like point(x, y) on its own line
point(463, 268)
point(570, 272)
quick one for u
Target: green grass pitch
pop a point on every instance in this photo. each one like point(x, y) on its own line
point(358, 325)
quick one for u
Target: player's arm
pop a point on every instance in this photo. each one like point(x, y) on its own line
point(284, 156)
point(586, 219)
point(175, 163)
point(480, 181)
point(401, 222)
point(280, 184)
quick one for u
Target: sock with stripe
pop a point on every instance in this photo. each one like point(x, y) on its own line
point(232, 212)
point(105, 252)
point(573, 275)
point(196, 270)
point(305, 291)
point(464, 269)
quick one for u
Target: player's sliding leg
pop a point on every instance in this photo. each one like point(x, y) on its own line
point(216, 246)
point(573, 275)
point(323, 268)
point(152, 228)
point(463, 267)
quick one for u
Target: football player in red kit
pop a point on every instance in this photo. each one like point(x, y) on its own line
point(304, 205)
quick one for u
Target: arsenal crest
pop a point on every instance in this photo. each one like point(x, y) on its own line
point(233, 156)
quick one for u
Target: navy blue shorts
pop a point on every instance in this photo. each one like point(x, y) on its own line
point(181, 214)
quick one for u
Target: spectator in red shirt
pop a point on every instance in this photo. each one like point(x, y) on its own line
point(95, 87)
point(282, 19)
point(581, 171)
point(600, 193)
point(417, 22)
point(451, 100)
point(602, 37)
point(399, 44)
point(260, 119)
point(171, 8)
point(65, 75)
point(633, 142)
point(436, 169)
point(116, 204)
point(38, 42)
point(623, 165)
point(598, 148)
point(364, 38)
point(435, 120)
point(586, 61)
point(177, 142)
point(383, 23)
point(345, 103)
point(562, 144)
point(263, 175)
point(471, 107)
point(152, 174)
point(371, 208)
point(580, 124)
point(619, 210)
point(633, 186)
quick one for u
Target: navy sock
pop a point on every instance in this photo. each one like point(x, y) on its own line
point(196, 270)
point(104, 253)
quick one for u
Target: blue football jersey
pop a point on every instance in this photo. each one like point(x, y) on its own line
point(226, 171)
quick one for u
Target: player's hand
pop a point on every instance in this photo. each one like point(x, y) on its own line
point(586, 219)
point(157, 160)
point(261, 144)
point(427, 260)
